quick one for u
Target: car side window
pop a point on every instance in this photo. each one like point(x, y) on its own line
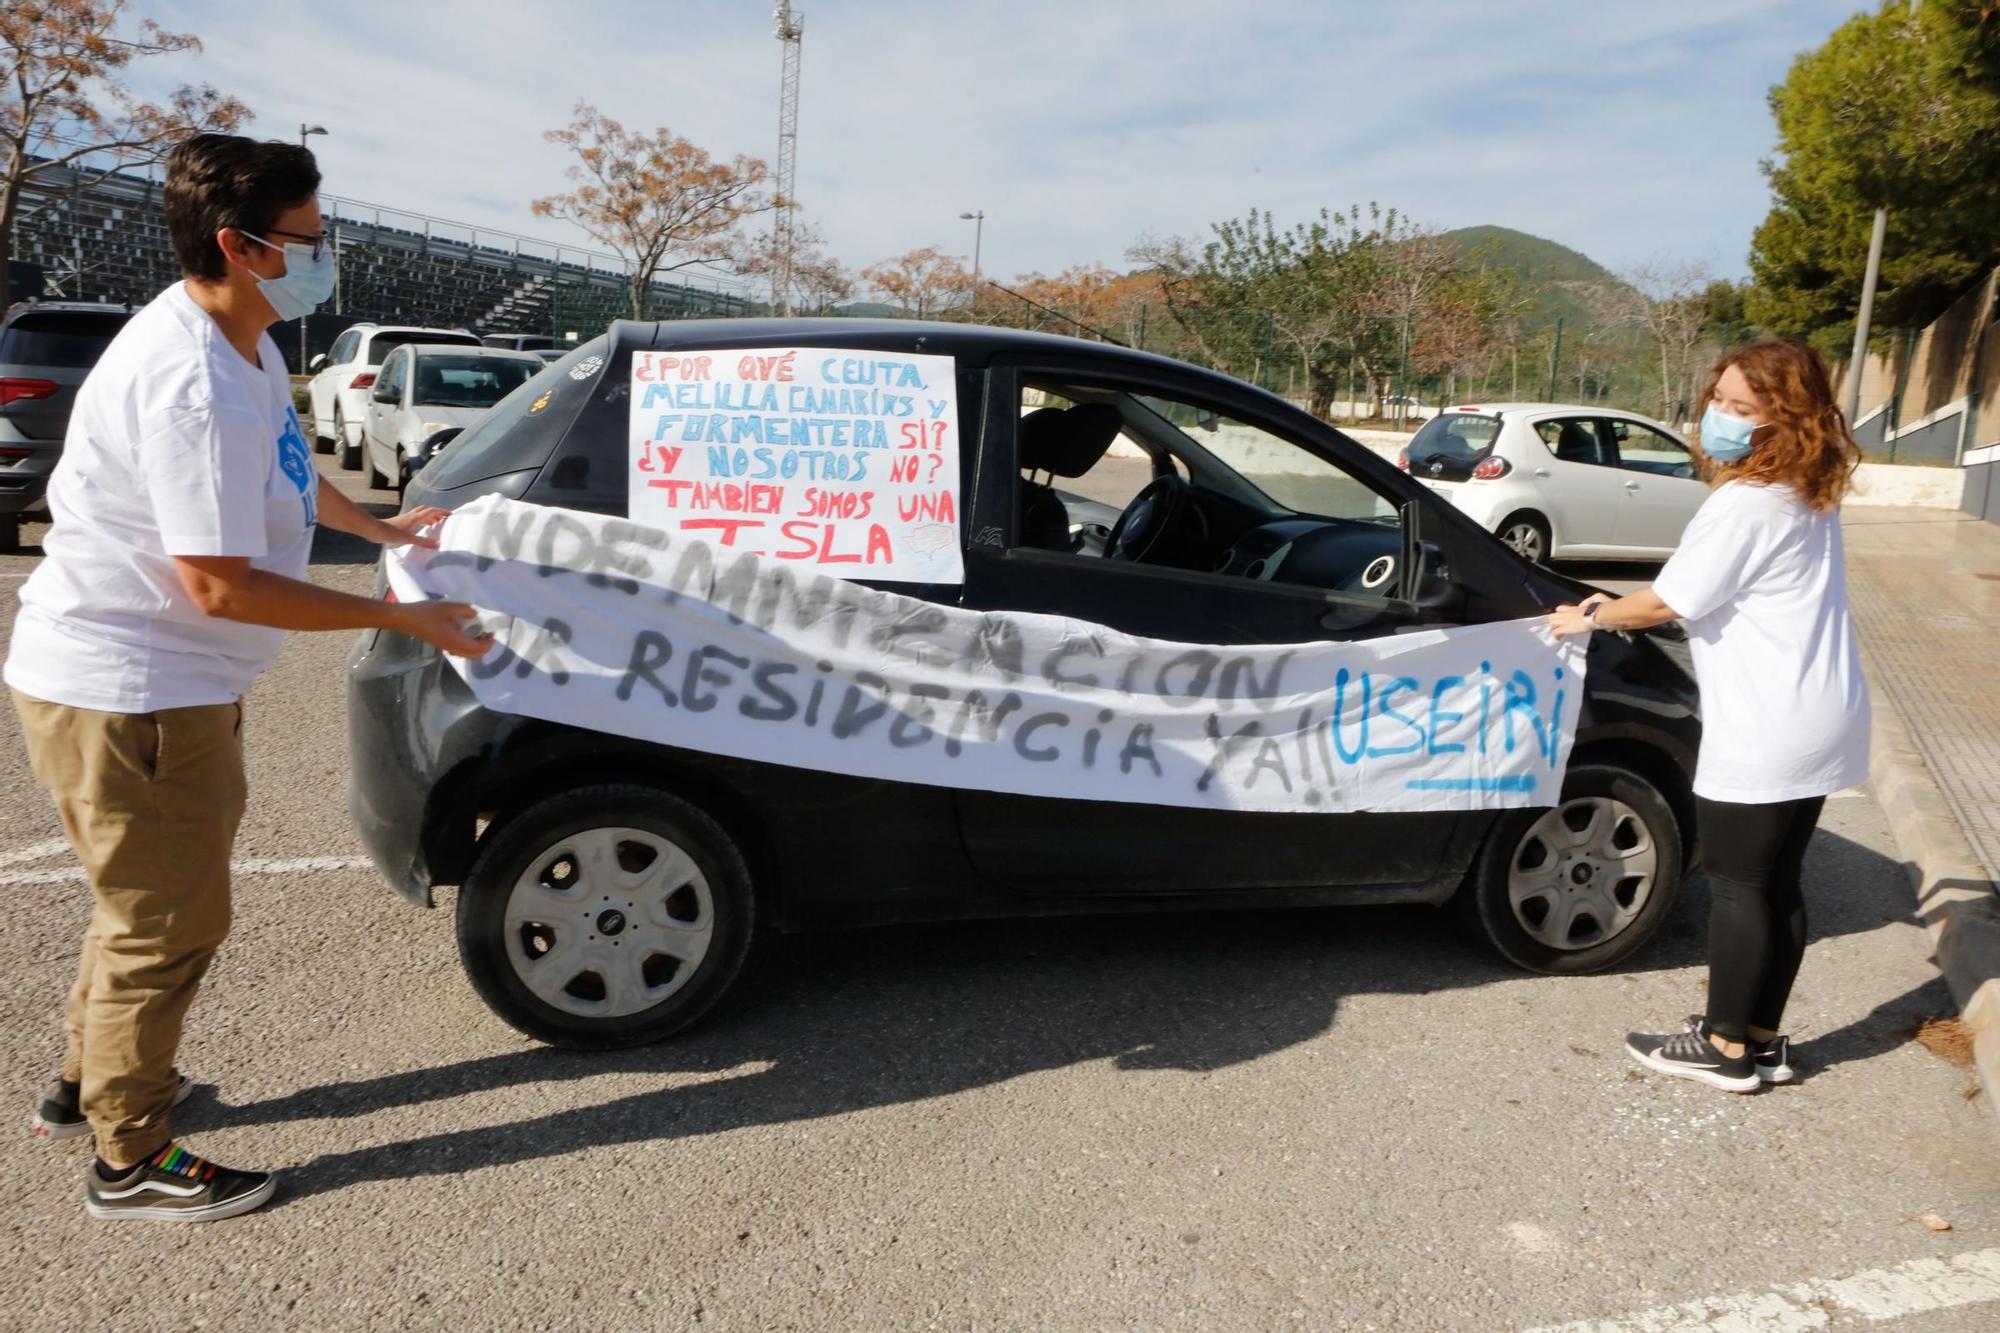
point(1578, 440)
point(337, 354)
point(1644, 449)
point(392, 376)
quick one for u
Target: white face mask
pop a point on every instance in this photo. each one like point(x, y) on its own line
point(306, 282)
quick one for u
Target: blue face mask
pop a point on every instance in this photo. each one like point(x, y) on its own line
point(304, 285)
point(1723, 437)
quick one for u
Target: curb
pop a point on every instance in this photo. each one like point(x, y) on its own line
point(1956, 902)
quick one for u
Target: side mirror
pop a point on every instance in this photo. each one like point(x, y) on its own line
point(316, 362)
point(384, 393)
point(432, 446)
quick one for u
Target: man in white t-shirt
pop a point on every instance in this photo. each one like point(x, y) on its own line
point(184, 508)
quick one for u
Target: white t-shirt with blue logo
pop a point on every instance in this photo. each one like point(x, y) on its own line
point(177, 447)
point(1761, 580)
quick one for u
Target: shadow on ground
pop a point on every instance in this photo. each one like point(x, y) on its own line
point(839, 1022)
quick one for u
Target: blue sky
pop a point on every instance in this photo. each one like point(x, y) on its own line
point(1628, 129)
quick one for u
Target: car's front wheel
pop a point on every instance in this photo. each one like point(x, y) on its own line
point(1579, 886)
point(606, 916)
point(321, 444)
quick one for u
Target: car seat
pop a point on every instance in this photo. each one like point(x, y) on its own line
point(430, 385)
point(1063, 442)
point(1574, 444)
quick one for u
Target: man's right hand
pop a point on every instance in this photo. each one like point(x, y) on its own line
point(443, 625)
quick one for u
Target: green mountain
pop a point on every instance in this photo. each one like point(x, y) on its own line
point(1543, 267)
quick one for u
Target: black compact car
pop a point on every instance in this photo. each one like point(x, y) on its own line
point(46, 349)
point(612, 888)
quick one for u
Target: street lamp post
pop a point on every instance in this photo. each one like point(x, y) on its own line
point(978, 221)
point(304, 130)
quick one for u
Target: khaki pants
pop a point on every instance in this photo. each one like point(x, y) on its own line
point(151, 802)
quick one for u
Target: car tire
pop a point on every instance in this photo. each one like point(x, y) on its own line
point(350, 454)
point(321, 444)
point(555, 858)
point(1526, 533)
point(376, 481)
point(1540, 883)
point(10, 534)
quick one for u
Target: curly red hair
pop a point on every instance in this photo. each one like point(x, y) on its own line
point(1809, 447)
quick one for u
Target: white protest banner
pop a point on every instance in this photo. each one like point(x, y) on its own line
point(635, 631)
point(828, 458)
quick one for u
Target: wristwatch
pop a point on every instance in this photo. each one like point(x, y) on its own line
point(1591, 615)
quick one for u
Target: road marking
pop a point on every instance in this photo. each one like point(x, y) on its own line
point(34, 851)
point(255, 865)
point(1883, 1293)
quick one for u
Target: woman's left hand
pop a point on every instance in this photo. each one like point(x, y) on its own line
point(404, 528)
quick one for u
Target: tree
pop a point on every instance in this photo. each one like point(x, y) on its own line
point(656, 200)
point(818, 279)
point(1255, 293)
point(926, 283)
point(1084, 298)
point(1900, 109)
point(62, 102)
point(1673, 305)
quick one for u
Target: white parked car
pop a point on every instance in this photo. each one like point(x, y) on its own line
point(1561, 482)
point(338, 392)
point(425, 388)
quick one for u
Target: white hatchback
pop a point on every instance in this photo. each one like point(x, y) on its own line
point(1562, 482)
point(426, 388)
point(338, 393)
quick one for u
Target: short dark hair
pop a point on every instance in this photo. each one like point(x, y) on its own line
point(225, 180)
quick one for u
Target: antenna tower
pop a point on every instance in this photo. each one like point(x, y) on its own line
point(790, 29)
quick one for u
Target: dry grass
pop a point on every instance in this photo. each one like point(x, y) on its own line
point(1947, 1039)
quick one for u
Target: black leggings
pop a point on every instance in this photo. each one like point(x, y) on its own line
point(1757, 915)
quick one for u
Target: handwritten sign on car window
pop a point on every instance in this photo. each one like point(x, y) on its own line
point(839, 460)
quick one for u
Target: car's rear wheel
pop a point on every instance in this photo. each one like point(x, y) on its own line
point(10, 534)
point(1580, 886)
point(350, 454)
point(606, 916)
point(1527, 533)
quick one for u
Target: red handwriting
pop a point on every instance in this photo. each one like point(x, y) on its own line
point(728, 527)
point(778, 368)
point(837, 504)
point(729, 495)
point(815, 542)
point(659, 369)
point(936, 507)
point(664, 455)
point(923, 434)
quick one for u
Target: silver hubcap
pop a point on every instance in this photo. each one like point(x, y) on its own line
point(1526, 540)
point(609, 922)
point(1582, 873)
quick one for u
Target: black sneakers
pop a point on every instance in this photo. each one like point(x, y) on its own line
point(60, 1116)
point(1773, 1057)
point(174, 1185)
point(1692, 1055)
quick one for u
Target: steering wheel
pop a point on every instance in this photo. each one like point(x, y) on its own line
point(1153, 513)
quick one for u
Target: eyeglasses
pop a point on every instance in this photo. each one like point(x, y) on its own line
point(319, 242)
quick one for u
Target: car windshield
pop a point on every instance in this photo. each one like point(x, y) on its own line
point(1457, 437)
point(1276, 468)
point(60, 338)
point(469, 381)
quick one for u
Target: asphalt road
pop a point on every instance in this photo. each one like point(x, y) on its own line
point(1340, 1119)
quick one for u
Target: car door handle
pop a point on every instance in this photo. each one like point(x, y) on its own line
point(1541, 472)
point(1631, 485)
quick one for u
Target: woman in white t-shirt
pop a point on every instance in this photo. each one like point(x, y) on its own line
point(1761, 581)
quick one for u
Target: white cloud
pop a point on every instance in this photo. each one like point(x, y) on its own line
point(1624, 131)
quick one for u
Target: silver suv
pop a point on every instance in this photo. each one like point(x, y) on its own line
point(46, 349)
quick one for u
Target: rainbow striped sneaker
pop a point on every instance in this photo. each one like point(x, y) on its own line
point(60, 1116)
point(173, 1185)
